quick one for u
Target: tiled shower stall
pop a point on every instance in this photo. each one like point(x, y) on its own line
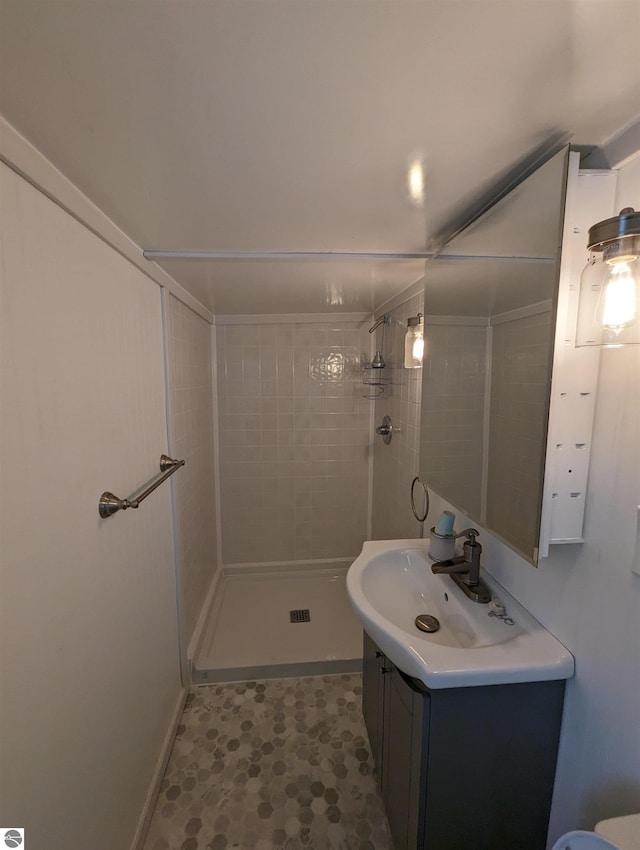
point(300, 488)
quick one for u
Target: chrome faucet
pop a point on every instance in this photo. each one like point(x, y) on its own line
point(465, 569)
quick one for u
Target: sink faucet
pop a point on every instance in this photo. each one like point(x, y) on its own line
point(465, 569)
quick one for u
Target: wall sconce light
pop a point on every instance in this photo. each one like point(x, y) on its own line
point(609, 305)
point(414, 342)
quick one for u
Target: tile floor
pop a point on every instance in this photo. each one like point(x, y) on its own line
point(281, 764)
point(252, 636)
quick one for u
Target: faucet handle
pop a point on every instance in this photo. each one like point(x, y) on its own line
point(471, 533)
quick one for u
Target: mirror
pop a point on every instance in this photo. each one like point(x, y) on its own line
point(490, 305)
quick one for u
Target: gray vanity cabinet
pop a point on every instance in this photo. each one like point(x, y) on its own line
point(406, 715)
point(462, 768)
point(372, 697)
point(395, 714)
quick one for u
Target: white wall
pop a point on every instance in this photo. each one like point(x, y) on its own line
point(88, 632)
point(588, 597)
point(189, 367)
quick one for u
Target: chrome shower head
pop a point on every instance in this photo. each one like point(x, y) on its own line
point(378, 361)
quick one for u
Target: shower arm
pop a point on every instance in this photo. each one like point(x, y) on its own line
point(383, 319)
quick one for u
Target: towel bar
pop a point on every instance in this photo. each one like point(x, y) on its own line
point(108, 505)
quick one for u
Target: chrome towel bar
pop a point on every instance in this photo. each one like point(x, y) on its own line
point(110, 504)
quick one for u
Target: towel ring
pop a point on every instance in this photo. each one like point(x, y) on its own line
point(426, 500)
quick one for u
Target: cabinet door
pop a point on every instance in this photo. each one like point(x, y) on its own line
point(372, 699)
point(404, 753)
point(396, 779)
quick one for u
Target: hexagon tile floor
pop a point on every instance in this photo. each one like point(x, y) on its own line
point(282, 764)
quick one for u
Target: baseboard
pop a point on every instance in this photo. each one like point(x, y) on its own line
point(320, 566)
point(277, 671)
point(158, 774)
point(204, 619)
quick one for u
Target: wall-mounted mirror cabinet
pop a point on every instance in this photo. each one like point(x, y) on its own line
point(490, 309)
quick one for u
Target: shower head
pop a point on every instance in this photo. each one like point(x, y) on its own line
point(378, 361)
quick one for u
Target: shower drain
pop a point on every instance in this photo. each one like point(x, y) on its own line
point(300, 615)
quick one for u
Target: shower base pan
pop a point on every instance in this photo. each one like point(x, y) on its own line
point(280, 623)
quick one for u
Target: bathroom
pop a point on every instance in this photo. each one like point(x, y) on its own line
point(106, 362)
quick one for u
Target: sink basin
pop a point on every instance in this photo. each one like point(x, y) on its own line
point(391, 583)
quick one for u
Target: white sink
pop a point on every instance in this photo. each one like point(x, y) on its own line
point(391, 583)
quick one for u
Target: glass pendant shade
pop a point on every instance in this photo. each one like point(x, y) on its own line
point(609, 305)
point(414, 342)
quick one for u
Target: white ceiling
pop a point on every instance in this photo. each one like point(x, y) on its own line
point(289, 125)
point(486, 288)
point(307, 286)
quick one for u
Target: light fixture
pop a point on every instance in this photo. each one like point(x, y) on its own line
point(415, 181)
point(609, 305)
point(414, 342)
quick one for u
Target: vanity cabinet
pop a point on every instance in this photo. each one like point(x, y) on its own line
point(462, 768)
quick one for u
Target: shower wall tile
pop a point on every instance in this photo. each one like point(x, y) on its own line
point(396, 464)
point(452, 413)
point(520, 373)
point(191, 406)
point(294, 440)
